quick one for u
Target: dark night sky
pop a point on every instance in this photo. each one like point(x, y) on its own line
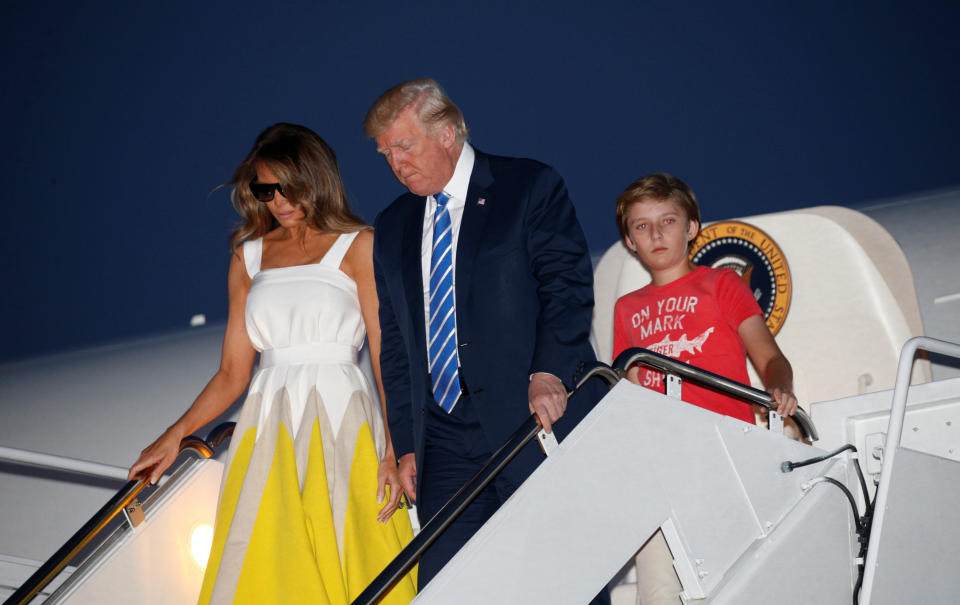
point(120, 118)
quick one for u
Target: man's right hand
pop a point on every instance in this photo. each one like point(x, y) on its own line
point(547, 398)
point(408, 475)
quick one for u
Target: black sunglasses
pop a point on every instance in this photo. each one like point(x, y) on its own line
point(264, 191)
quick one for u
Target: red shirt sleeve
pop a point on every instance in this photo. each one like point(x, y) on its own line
point(619, 334)
point(735, 299)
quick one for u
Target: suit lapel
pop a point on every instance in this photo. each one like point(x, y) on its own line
point(472, 225)
point(411, 267)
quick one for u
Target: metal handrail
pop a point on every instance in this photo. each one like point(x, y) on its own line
point(55, 564)
point(708, 379)
point(117, 503)
point(62, 463)
point(408, 557)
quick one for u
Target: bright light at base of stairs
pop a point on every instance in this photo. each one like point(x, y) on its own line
point(200, 541)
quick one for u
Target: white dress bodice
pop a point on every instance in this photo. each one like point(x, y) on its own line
point(303, 305)
point(306, 322)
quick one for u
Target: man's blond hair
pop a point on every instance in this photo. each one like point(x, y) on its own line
point(431, 104)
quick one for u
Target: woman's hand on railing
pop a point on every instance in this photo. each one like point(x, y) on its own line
point(388, 475)
point(156, 457)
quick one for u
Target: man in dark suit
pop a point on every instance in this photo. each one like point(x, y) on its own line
point(486, 295)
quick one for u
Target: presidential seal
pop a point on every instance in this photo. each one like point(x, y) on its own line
point(756, 257)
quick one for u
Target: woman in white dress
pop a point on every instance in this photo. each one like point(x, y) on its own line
point(308, 495)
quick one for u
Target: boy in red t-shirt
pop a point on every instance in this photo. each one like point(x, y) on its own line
point(698, 315)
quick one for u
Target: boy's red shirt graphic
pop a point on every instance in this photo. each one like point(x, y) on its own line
point(693, 319)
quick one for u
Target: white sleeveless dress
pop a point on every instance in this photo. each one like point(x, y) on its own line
point(297, 518)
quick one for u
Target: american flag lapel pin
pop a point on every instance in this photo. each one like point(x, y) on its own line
point(482, 201)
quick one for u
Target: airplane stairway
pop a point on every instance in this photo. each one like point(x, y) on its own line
point(742, 526)
point(741, 530)
point(639, 461)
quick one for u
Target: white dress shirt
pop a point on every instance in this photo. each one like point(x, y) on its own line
point(456, 189)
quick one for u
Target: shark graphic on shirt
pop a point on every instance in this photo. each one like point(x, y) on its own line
point(673, 348)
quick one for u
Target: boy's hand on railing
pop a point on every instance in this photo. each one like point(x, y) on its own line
point(786, 401)
point(156, 457)
point(547, 398)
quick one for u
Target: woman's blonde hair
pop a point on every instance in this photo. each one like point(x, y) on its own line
point(307, 170)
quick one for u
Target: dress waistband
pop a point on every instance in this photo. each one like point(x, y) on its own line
point(329, 352)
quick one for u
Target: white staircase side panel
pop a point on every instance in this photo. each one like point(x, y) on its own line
point(918, 549)
point(807, 560)
point(637, 460)
point(770, 491)
point(154, 564)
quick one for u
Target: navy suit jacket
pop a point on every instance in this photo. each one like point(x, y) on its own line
point(524, 301)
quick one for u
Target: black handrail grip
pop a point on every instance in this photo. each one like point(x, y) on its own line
point(706, 378)
point(407, 558)
point(220, 433)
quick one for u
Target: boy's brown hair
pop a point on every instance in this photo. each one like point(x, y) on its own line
point(659, 186)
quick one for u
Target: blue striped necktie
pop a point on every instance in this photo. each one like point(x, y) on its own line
point(443, 317)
